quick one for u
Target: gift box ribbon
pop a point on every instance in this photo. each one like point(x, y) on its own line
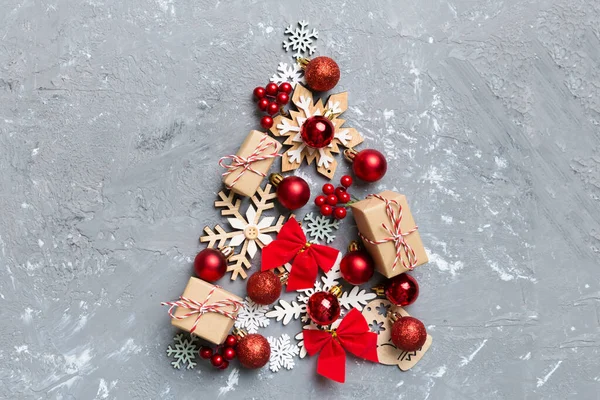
point(396, 234)
point(199, 308)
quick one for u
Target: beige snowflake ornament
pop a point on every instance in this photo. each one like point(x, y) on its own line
point(291, 126)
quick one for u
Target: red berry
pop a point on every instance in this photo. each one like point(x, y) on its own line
point(224, 365)
point(320, 200)
point(339, 213)
point(285, 87)
point(326, 210)
point(272, 108)
point(259, 92)
point(271, 89)
point(228, 353)
point(344, 198)
point(266, 122)
point(216, 360)
point(328, 188)
point(205, 352)
point(346, 181)
point(263, 104)
point(231, 341)
point(339, 190)
point(332, 200)
point(283, 98)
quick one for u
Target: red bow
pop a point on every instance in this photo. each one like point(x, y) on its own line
point(308, 257)
point(352, 335)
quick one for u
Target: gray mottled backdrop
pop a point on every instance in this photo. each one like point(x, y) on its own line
point(113, 115)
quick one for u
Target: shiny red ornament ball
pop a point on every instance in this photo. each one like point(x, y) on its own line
point(264, 287)
point(293, 192)
point(216, 360)
point(273, 108)
point(266, 122)
point(286, 87)
point(272, 89)
point(369, 165)
point(339, 190)
point(357, 267)
point(317, 131)
point(259, 92)
point(326, 210)
point(206, 352)
point(346, 181)
point(332, 200)
point(344, 198)
point(320, 200)
point(322, 74)
point(282, 98)
point(328, 188)
point(231, 341)
point(263, 104)
point(340, 213)
point(228, 353)
point(210, 265)
point(253, 351)
point(323, 308)
point(409, 334)
point(402, 290)
point(224, 365)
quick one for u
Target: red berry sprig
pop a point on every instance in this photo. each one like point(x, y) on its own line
point(221, 356)
point(271, 99)
point(334, 200)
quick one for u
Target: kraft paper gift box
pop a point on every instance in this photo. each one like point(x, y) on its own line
point(369, 215)
point(211, 326)
point(249, 181)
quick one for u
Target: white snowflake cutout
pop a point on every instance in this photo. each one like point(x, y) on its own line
point(300, 40)
point(283, 353)
point(252, 317)
point(292, 74)
point(250, 232)
point(183, 351)
point(320, 228)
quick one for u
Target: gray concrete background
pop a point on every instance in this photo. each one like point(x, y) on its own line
point(113, 115)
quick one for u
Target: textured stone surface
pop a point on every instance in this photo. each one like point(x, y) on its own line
point(113, 115)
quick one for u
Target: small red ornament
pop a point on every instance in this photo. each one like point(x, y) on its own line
point(339, 190)
point(266, 122)
point(264, 287)
point(357, 267)
point(228, 353)
point(253, 351)
point(292, 191)
point(321, 73)
point(340, 213)
point(223, 365)
point(259, 92)
point(272, 89)
point(402, 290)
point(283, 98)
point(369, 165)
point(328, 188)
point(206, 352)
point(286, 87)
point(263, 104)
point(326, 210)
point(317, 131)
point(216, 360)
point(408, 334)
point(273, 108)
point(210, 265)
point(320, 200)
point(323, 307)
point(344, 198)
point(231, 341)
point(346, 181)
point(332, 200)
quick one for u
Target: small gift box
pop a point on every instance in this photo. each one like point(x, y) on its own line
point(205, 310)
point(389, 233)
point(250, 164)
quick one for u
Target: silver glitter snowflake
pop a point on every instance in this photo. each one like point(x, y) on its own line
point(183, 351)
point(292, 74)
point(320, 227)
point(300, 40)
point(283, 352)
point(252, 317)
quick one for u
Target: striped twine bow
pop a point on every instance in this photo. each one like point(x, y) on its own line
point(396, 234)
point(246, 163)
point(203, 307)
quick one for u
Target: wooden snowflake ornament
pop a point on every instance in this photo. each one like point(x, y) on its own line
point(291, 126)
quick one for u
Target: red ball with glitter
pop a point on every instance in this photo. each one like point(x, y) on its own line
point(321, 74)
point(264, 287)
point(408, 334)
point(253, 351)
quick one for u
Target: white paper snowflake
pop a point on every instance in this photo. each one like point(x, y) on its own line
point(252, 317)
point(292, 74)
point(248, 230)
point(300, 40)
point(283, 352)
point(183, 351)
point(320, 227)
point(300, 338)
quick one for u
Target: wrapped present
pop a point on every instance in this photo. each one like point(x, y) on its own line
point(389, 233)
point(250, 164)
point(205, 310)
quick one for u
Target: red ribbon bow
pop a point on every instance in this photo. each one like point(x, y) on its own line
point(352, 335)
point(308, 257)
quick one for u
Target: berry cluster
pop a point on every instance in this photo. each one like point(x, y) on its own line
point(220, 357)
point(333, 197)
point(270, 99)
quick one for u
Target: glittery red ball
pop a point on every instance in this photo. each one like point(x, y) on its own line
point(264, 287)
point(357, 267)
point(322, 74)
point(402, 290)
point(323, 308)
point(317, 131)
point(253, 351)
point(409, 334)
point(293, 192)
point(210, 265)
point(369, 165)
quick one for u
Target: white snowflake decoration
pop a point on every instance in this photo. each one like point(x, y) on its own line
point(292, 74)
point(251, 232)
point(252, 317)
point(300, 40)
point(183, 351)
point(321, 227)
point(283, 353)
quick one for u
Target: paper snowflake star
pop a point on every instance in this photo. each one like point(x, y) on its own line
point(283, 353)
point(183, 351)
point(292, 74)
point(252, 317)
point(300, 40)
point(290, 128)
point(320, 227)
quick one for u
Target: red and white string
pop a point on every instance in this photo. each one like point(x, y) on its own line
point(246, 162)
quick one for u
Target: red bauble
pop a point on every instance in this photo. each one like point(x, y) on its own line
point(320, 200)
point(323, 308)
point(332, 200)
point(346, 181)
point(259, 92)
point(266, 122)
point(216, 360)
point(286, 87)
point(224, 365)
point(263, 104)
point(409, 334)
point(210, 265)
point(283, 98)
point(206, 352)
point(293, 192)
point(357, 267)
point(273, 108)
point(322, 74)
point(272, 89)
point(339, 190)
point(402, 290)
point(228, 353)
point(253, 351)
point(369, 165)
point(326, 210)
point(317, 131)
point(340, 213)
point(264, 287)
point(344, 198)
point(231, 341)
point(328, 188)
